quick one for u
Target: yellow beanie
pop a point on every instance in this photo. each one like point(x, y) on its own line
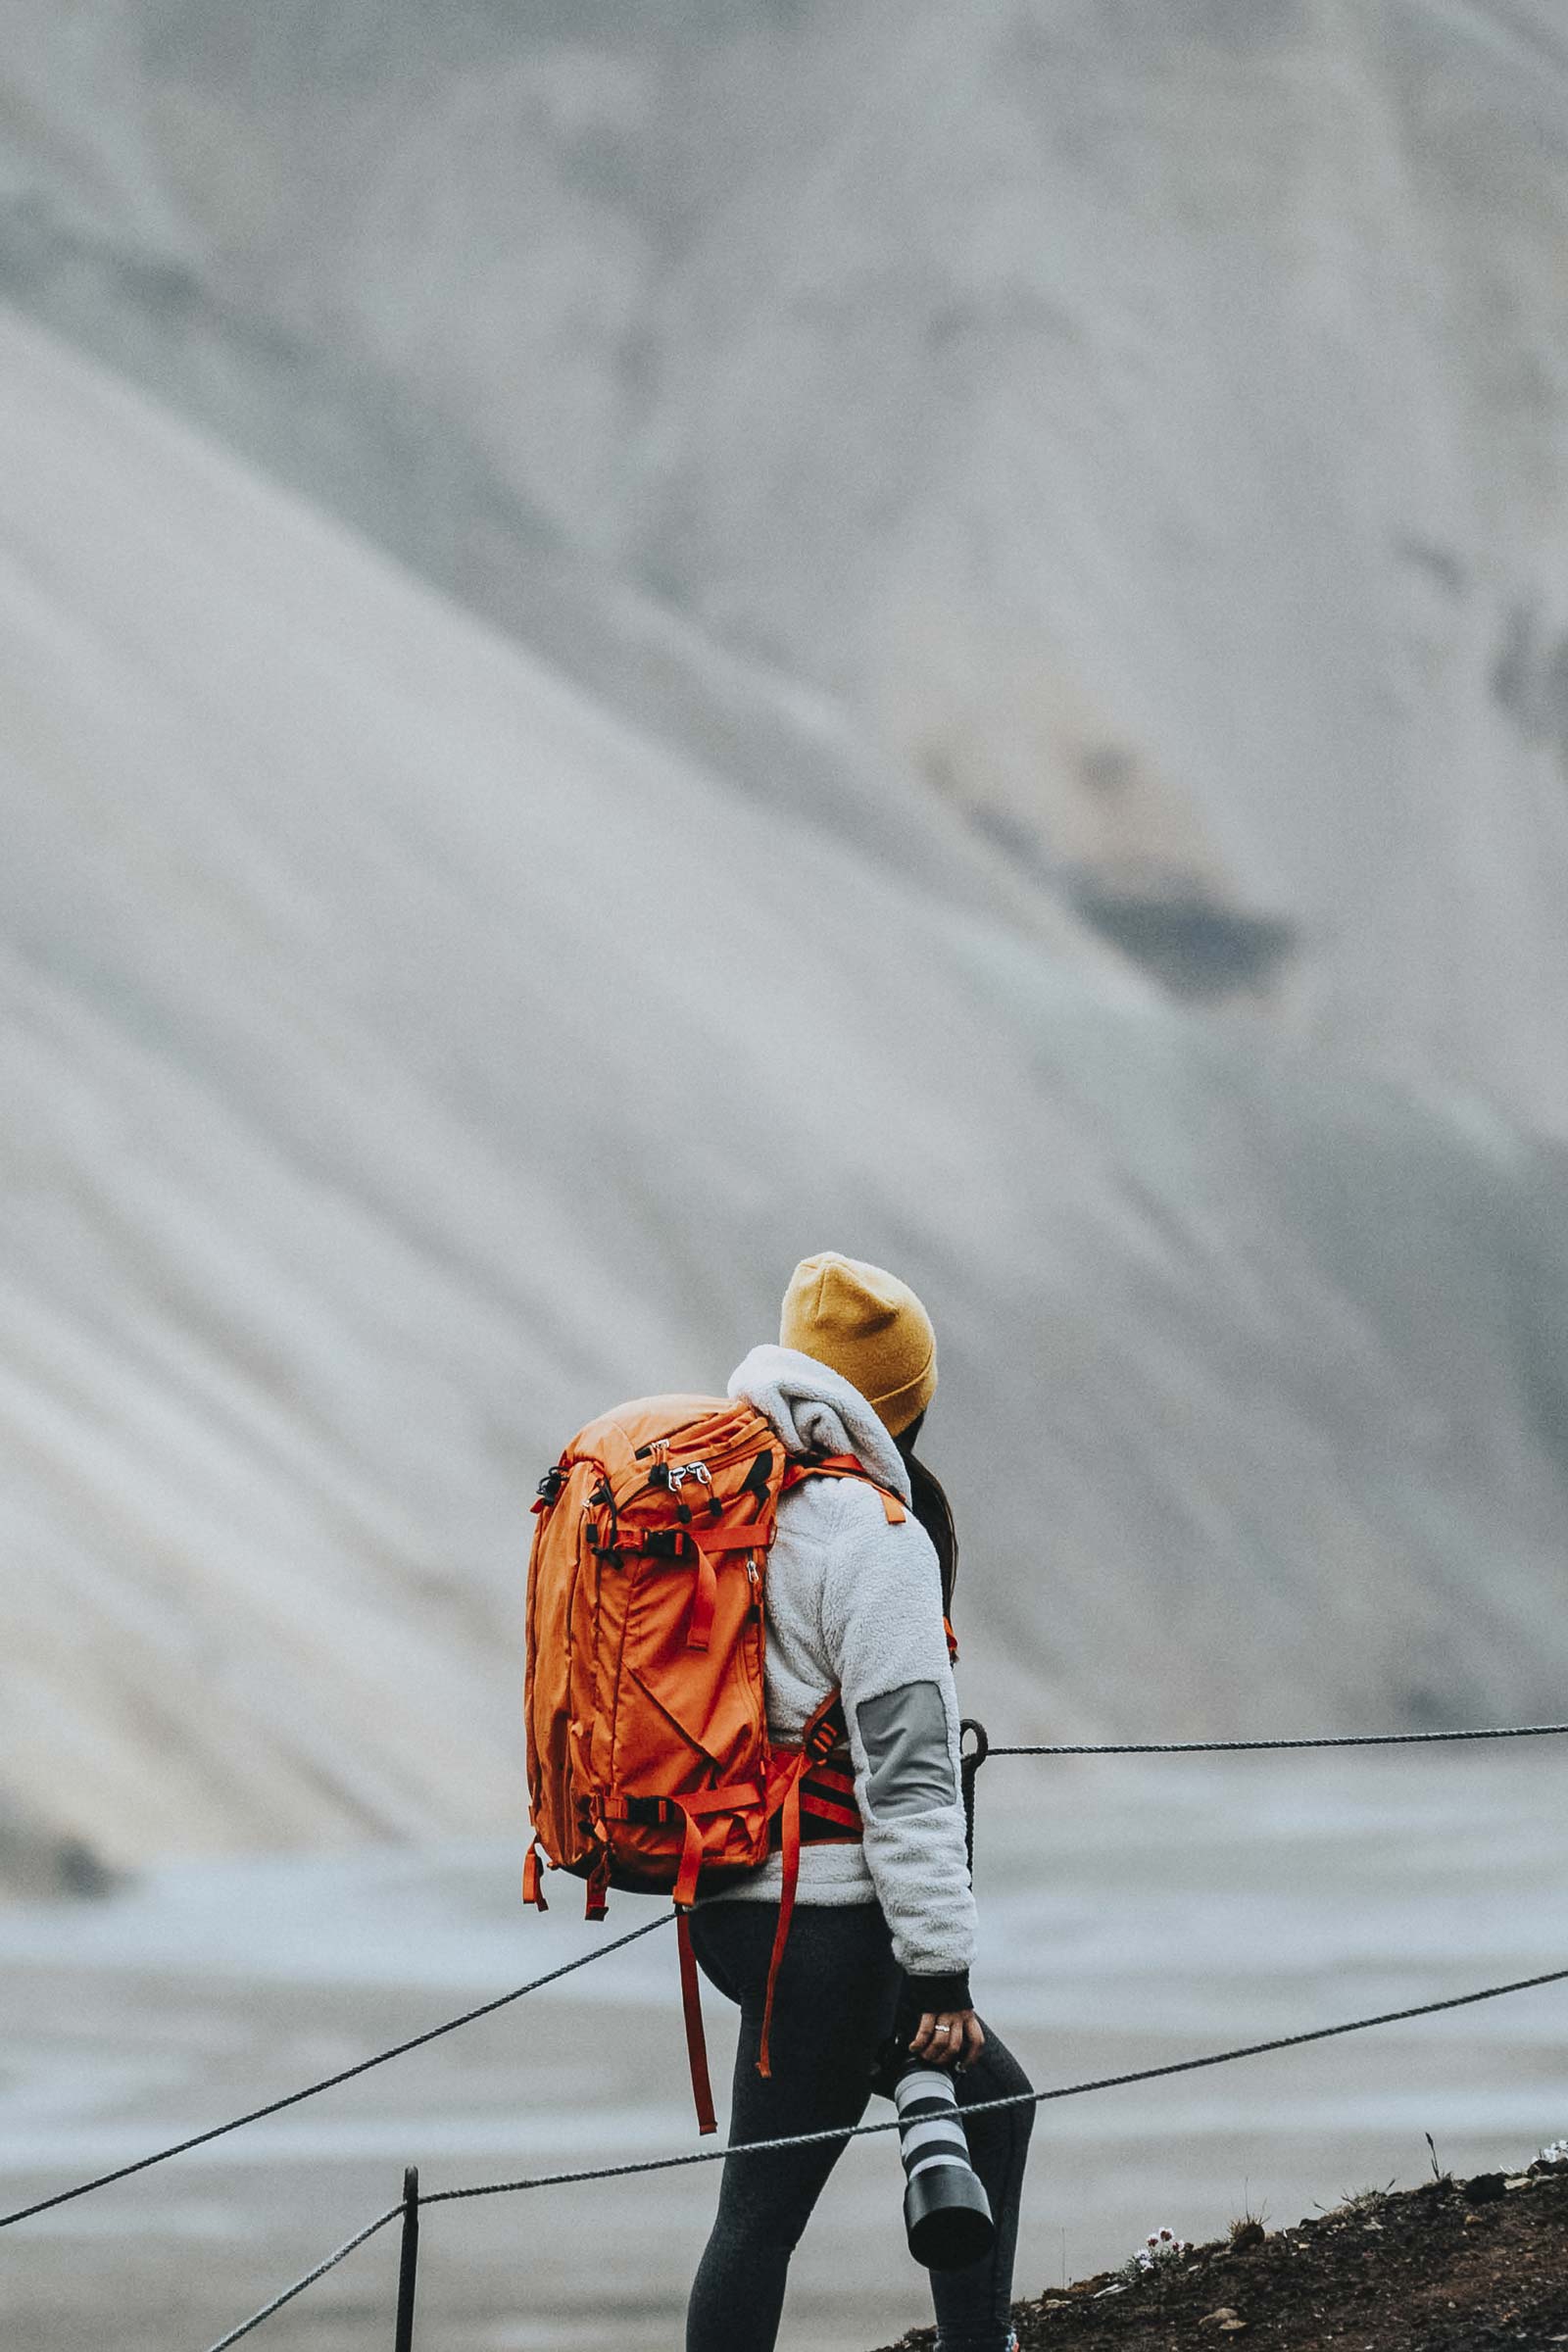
point(868, 1326)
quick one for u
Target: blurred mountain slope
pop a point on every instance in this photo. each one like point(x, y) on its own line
point(343, 431)
point(401, 1058)
point(1148, 422)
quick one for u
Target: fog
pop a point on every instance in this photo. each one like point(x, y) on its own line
point(633, 647)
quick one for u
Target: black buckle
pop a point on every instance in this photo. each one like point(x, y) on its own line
point(648, 1812)
point(757, 1480)
point(551, 1484)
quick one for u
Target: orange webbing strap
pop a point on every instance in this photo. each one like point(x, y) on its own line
point(727, 1538)
point(822, 1732)
point(694, 1806)
point(733, 1796)
point(691, 1858)
point(846, 1465)
point(843, 1816)
point(691, 2001)
point(532, 1892)
point(705, 1600)
point(595, 1903)
point(791, 1826)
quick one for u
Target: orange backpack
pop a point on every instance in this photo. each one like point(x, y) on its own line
point(650, 1765)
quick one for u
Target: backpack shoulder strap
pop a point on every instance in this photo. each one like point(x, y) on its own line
point(844, 1465)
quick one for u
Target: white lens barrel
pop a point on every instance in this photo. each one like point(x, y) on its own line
point(947, 2213)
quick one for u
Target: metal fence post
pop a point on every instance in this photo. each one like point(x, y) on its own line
point(409, 2260)
point(969, 1763)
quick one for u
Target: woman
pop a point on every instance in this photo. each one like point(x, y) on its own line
point(884, 1925)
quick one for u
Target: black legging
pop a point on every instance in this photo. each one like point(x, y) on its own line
point(838, 1992)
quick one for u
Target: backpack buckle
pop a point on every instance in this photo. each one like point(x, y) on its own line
point(675, 1479)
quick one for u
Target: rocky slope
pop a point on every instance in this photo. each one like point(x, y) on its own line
point(1473, 2265)
point(402, 1055)
point(1147, 424)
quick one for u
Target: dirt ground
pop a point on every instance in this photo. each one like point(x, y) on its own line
point(1455, 2266)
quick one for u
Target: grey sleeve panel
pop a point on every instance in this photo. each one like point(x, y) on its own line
point(905, 1734)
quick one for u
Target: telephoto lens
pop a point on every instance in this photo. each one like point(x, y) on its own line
point(945, 2210)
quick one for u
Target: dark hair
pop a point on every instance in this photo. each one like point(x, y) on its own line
point(933, 1511)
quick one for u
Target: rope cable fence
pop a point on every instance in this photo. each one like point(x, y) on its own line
point(415, 2200)
point(1237, 1747)
point(288, 2294)
point(1019, 2098)
point(1160, 1747)
point(347, 2074)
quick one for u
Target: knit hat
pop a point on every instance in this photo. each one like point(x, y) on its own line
point(866, 1326)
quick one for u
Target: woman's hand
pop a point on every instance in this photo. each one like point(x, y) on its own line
point(949, 2038)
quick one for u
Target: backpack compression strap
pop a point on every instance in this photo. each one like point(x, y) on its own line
point(819, 1739)
point(844, 1465)
point(691, 2001)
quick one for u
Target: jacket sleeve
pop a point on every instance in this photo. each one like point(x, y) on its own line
point(883, 1635)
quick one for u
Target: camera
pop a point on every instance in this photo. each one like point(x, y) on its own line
point(947, 2214)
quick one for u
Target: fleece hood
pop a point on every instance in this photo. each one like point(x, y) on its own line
point(815, 1410)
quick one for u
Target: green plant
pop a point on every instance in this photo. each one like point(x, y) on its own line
point(1355, 2203)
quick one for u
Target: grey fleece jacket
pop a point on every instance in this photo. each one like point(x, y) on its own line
point(855, 1605)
